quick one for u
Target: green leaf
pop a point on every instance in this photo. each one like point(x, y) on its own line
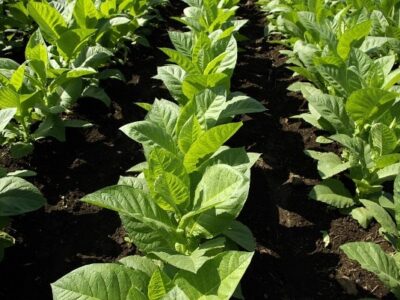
point(241, 235)
point(159, 285)
point(352, 35)
point(150, 135)
point(208, 143)
point(164, 113)
point(72, 41)
point(189, 133)
point(134, 203)
point(332, 192)
point(17, 78)
point(217, 279)
point(181, 60)
point(219, 198)
point(6, 115)
point(140, 263)
point(332, 109)
point(99, 281)
point(367, 104)
point(241, 104)
point(48, 18)
point(21, 149)
point(381, 216)
point(172, 77)
point(329, 164)
point(384, 139)
point(372, 258)
point(85, 13)
point(18, 196)
point(9, 98)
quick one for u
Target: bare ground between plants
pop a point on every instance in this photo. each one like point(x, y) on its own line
point(291, 260)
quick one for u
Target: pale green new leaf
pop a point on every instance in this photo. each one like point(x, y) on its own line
point(352, 35)
point(208, 143)
point(159, 285)
point(367, 104)
point(217, 279)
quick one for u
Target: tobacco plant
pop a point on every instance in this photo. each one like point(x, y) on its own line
point(181, 209)
point(17, 196)
point(38, 92)
point(353, 93)
point(371, 256)
point(141, 278)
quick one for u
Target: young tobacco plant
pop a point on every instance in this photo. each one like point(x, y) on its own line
point(207, 16)
point(141, 278)
point(17, 196)
point(371, 256)
point(37, 92)
point(191, 189)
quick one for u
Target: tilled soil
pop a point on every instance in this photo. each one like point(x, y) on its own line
point(291, 260)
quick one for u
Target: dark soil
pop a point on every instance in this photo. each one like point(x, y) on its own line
point(291, 260)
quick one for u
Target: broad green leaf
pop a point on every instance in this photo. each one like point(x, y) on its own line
point(150, 135)
point(72, 41)
point(172, 189)
point(241, 104)
point(219, 198)
point(329, 164)
point(182, 41)
point(159, 285)
point(189, 133)
point(381, 216)
point(208, 143)
point(9, 98)
point(6, 115)
point(181, 60)
point(36, 50)
point(352, 35)
point(332, 192)
point(367, 104)
point(140, 263)
point(18, 196)
point(241, 235)
point(173, 76)
point(48, 18)
point(134, 203)
point(333, 110)
point(388, 173)
point(372, 258)
point(17, 78)
point(362, 216)
point(85, 13)
point(164, 113)
point(99, 281)
point(383, 138)
point(217, 279)
point(145, 237)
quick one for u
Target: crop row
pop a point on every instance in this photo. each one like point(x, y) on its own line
point(347, 54)
point(180, 208)
point(70, 46)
